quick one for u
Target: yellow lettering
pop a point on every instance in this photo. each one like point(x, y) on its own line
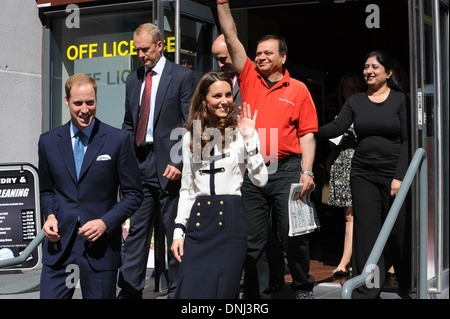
point(120, 48)
point(132, 48)
point(114, 48)
point(69, 49)
point(88, 51)
point(83, 49)
point(105, 50)
point(92, 49)
point(170, 44)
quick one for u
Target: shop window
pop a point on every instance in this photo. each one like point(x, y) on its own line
point(102, 47)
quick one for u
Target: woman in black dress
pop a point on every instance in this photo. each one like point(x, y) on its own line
point(379, 164)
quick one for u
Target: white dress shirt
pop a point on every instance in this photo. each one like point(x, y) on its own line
point(87, 131)
point(239, 156)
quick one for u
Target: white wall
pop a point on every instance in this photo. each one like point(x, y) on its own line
point(21, 35)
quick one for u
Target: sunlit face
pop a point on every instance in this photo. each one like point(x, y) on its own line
point(220, 51)
point(219, 99)
point(82, 105)
point(375, 74)
point(224, 62)
point(148, 51)
point(223, 58)
point(268, 58)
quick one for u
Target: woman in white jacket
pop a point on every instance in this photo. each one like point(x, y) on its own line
point(210, 228)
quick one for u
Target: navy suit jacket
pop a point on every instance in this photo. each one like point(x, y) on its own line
point(176, 86)
point(109, 164)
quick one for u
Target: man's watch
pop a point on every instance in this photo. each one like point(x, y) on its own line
point(308, 173)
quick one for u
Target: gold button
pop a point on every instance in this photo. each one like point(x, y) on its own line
point(220, 213)
point(222, 169)
point(251, 153)
point(198, 204)
point(220, 223)
point(198, 214)
point(198, 224)
point(221, 202)
point(209, 203)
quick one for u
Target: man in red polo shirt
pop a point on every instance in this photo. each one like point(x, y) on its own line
point(286, 123)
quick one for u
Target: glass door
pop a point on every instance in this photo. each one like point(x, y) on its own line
point(101, 44)
point(429, 129)
point(197, 32)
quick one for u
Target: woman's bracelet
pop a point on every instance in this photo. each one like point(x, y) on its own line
point(222, 1)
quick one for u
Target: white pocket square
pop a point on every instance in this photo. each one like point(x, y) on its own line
point(104, 157)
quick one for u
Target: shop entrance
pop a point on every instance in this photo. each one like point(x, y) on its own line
point(326, 40)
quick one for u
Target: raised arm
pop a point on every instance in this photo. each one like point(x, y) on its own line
point(235, 47)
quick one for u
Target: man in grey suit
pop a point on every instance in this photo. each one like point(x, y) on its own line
point(220, 51)
point(160, 91)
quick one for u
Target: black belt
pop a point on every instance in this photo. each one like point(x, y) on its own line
point(287, 159)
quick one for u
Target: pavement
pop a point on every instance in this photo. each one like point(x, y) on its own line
point(24, 284)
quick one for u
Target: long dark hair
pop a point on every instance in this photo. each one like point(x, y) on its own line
point(386, 60)
point(198, 112)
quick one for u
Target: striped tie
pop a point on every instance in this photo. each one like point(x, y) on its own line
point(145, 110)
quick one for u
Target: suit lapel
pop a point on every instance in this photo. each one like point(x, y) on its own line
point(65, 148)
point(135, 95)
point(94, 146)
point(164, 83)
point(235, 91)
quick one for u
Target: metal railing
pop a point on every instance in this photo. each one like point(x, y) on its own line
point(419, 162)
point(25, 254)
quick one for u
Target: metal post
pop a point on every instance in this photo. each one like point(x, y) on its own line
point(422, 287)
point(177, 31)
point(439, 147)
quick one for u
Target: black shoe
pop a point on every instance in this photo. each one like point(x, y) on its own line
point(123, 294)
point(337, 273)
point(277, 283)
point(304, 294)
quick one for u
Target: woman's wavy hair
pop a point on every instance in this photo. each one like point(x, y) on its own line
point(198, 113)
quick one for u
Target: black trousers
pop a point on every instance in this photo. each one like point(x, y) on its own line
point(371, 204)
point(158, 204)
point(258, 203)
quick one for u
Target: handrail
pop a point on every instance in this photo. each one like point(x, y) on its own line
point(419, 161)
point(439, 147)
point(25, 254)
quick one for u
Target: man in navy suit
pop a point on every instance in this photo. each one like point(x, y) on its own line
point(165, 89)
point(83, 215)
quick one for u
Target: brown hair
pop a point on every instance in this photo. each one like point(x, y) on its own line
point(79, 79)
point(151, 29)
point(198, 112)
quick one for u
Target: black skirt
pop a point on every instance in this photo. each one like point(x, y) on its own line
point(214, 249)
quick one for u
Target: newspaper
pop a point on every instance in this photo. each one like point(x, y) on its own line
point(301, 213)
point(337, 140)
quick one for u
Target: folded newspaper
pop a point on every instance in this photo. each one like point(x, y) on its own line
point(301, 213)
